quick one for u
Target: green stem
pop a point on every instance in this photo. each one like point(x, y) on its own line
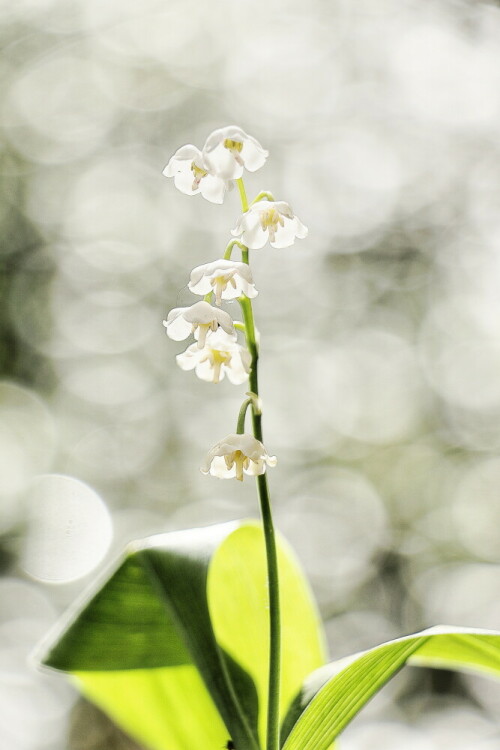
point(229, 248)
point(273, 734)
point(263, 194)
point(240, 427)
point(243, 194)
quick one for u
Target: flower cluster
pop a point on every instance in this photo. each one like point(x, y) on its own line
point(222, 159)
point(216, 352)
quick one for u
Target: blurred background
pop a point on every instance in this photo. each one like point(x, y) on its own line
point(380, 332)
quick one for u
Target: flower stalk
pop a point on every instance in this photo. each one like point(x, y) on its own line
point(243, 194)
point(215, 354)
point(263, 195)
point(274, 675)
point(240, 426)
point(229, 248)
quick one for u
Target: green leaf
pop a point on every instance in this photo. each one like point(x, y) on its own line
point(238, 600)
point(173, 644)
point(332, 695)
point(160, 708)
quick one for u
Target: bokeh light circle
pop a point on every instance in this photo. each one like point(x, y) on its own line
point(69, 530)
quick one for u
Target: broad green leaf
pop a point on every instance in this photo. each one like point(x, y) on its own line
point(124, 635)
point(238, 601)
point(166, 655)
point(332, 696)
point(160, 708)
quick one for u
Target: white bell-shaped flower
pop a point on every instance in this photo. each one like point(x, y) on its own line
point(192, 174)
point(228, 279)
point(235, 455)
point(198, 319)
point(269, 220)
point(229, 150)
point(220, 356)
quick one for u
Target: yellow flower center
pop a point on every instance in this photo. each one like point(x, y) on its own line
point(219, 283)
point(198, 174)
point(270, 219)
point(240, 462)
point(217, 358)
point(233, 145)
point(203, 329)
point(235, 148)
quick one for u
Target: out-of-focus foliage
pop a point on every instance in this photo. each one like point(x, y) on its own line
point(91, 730)
point(380, 332)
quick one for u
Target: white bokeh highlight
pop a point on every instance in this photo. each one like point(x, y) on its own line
point(34, 707)
point(69, 529)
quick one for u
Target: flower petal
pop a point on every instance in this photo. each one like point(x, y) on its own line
point(217, 468)
point(285, 236)
point(213, 188)
point(255, 237)
point(223, 163)
point(184, 181)
point(253, 155)
point(187, 154)
point(177, 328)
point(188, 359)
point(255, 468)
point(301, 231)
point(205, 371)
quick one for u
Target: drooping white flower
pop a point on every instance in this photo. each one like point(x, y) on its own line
point(220, 356)
point(229, 150)
point(235, 455)
point(227, 278)
point(269, 220)
point(193, 174)
point(198, 319)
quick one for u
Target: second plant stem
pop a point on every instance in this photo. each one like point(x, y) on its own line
point(273, 705)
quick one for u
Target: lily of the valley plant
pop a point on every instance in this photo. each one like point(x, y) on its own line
point(207, 638)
